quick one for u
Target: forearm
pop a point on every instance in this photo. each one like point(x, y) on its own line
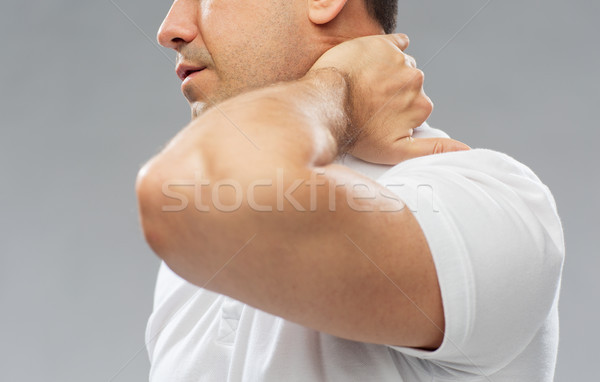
point(300, 123)
point(275, 136)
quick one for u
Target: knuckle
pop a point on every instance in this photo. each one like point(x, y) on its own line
point(416, 79)
point(402, 59)
point(423, 106)
point(427, 104)
point(419, 76)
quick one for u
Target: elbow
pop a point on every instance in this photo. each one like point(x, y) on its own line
point(148, 192)
point(168, 210)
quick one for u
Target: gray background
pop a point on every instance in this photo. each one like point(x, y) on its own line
point(87, 98)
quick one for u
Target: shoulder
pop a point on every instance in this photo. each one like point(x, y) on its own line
point(487, 161)
point(480, 193)
point(496, 239)
point(488, 171)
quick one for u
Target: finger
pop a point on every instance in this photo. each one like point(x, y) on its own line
point(399, 39)
point(410, 61)
point(409, 147)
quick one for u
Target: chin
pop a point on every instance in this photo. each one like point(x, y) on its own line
point(198, 108)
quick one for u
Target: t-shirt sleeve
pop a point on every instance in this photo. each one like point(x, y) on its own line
point(497, 244)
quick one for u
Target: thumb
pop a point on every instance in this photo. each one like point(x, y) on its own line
point(417, 147)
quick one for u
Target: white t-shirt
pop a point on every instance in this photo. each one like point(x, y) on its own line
point(497, 244)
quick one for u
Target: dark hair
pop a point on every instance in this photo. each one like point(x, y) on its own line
point(384, 12)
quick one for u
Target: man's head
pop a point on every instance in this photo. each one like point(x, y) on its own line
point(244, 44)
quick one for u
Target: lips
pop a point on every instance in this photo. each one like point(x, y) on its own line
point(183, 71)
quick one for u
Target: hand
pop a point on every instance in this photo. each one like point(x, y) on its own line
point(386, 100)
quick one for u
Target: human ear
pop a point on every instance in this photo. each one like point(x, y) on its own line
point(324, 11)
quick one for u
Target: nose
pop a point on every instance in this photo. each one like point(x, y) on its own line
point(180, 26)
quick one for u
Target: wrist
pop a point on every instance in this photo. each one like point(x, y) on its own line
point(332, 91)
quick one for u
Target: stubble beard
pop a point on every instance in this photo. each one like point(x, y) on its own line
point(198, 108)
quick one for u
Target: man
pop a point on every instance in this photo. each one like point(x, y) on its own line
point(284, 259)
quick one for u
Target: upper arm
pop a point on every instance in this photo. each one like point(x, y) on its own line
point(336, 253)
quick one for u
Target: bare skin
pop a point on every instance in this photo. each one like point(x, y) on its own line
point(327, 267)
